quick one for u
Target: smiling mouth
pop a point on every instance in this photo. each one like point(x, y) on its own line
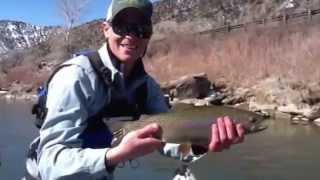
point(131, 47)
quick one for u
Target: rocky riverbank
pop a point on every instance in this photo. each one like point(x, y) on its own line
point(277, 97)
point(18, 91)
point(20, 97)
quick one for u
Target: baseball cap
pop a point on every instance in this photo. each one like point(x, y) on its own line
point(145, 6)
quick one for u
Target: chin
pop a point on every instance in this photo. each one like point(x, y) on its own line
point(128, 59)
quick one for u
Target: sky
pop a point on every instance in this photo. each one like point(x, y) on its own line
point(45, 12)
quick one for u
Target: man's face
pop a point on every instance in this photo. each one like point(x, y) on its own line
point(127, 47)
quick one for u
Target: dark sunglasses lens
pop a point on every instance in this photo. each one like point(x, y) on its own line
point(119, 30)
point(140, 31)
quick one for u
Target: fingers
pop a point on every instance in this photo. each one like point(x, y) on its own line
point(240, 132)
point(150, 135)
point(152, 144)
point(222, 132)
point(140, 142)
point(225, 133)
point(230, 129)
point(151, 130)
point(215, 144)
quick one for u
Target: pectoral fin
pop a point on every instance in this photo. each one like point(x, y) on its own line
point(185, 149)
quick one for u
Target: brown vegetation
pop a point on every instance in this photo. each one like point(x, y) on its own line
point(241, 58)
point(33, 66)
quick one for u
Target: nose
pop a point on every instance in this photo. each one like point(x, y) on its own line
point(132, 37)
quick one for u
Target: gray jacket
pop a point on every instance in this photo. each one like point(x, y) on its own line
point(75, 94)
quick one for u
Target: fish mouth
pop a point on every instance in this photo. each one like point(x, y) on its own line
point(257, 128)
point(257, 125)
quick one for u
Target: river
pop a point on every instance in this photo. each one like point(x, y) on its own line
point(282, 152)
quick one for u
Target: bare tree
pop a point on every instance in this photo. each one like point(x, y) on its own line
point(71, 11)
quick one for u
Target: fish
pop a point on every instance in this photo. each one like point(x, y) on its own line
point(188, 124)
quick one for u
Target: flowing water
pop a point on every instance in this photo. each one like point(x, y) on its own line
point(282, 152)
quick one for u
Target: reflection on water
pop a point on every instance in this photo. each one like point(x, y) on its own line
point(282, 152)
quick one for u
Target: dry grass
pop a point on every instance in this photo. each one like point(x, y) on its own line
point(241, 58)
point(22, 74)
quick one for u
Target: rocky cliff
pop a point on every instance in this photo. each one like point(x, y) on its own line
point(16, 35)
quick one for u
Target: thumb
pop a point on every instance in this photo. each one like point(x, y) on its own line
point(151, 130)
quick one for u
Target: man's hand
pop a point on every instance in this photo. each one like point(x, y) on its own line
point(135, 144)
point(225, 133)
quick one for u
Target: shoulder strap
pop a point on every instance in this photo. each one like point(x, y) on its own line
point(103, 72)
point(39, 109)
point(54, 72)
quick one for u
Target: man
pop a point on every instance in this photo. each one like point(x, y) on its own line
point(74, 144)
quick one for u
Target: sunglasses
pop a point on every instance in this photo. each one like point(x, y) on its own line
point(143, 31)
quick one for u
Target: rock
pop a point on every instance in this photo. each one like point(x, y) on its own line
point(305, 119)
point(237, 96)
point(3, 93)
point(307, 111)
point(186, 101)
point(296, 118)
point(265, 113)
point(296, 98)
point(215, 98)
point(277, 91)
point(280, 115)
point(232, 100)
point(254, 106)
point(201, 102)
point(312, 93)
point(10, 96)
point(195, 102)
point(312, 112)
point(290, 109)
point(191, 86)
point(300, 118)
point(317, 121)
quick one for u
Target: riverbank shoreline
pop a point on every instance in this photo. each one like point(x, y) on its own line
point(21, 97)
point(281, 97)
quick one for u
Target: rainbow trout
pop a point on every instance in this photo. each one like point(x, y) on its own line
point(188, 124)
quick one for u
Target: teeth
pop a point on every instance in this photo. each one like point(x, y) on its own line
point(129, 46)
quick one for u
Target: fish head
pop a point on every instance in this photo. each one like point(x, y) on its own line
point(255, 123)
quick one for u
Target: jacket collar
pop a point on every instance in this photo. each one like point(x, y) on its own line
point(110, 61)
point(106, 59)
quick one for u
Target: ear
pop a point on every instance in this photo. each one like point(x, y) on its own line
point(105, 28)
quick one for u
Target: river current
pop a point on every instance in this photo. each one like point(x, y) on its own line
point(282, 152)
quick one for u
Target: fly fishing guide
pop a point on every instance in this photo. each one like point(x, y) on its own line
point(73, 143)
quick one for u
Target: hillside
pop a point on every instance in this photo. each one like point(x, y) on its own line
point(169, 15)
point(16, 35)
point(200, 15)
point(172, 19)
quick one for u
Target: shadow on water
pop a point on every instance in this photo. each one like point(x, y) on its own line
point(282, 152)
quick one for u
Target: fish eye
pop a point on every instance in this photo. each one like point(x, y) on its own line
point(253, 120)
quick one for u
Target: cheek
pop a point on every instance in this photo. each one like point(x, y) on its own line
point(143, 46)
point(114, 43)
